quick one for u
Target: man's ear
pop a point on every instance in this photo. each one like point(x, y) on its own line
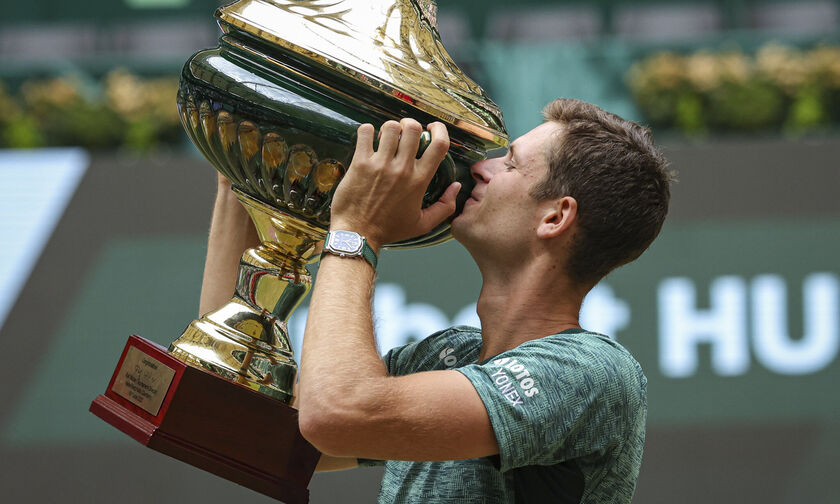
point(557, 218)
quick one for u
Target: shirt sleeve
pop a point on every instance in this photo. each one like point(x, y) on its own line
point(398, 359)
point(559, 398)
point(425, 355)
point(420, 356)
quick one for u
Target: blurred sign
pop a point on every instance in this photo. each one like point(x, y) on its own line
point(35, 187)
point(748, 321)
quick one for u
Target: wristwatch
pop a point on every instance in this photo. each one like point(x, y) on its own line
point(349, 244)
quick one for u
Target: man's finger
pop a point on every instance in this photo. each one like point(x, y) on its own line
point(434, 214)
point(409, 142)
point(364, 141)
point(389, 138)
point(436, 150)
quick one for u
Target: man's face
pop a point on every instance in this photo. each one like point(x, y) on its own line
point(501, 214)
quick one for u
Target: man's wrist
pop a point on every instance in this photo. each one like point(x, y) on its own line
point(222, 181)
point(362, 230)
point(347, 243)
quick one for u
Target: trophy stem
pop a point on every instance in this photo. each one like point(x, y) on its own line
point(247, 341)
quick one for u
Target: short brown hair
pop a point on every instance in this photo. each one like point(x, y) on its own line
point(619, 179)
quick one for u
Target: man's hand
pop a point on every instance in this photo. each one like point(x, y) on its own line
point(381, 195)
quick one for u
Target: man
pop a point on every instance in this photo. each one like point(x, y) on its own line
point(533, 408)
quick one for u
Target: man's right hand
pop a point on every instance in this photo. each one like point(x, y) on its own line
point(381, 195)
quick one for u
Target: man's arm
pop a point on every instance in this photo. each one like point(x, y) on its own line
point(350, 406)
point(231, 234)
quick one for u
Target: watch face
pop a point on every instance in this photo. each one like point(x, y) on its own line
point(346, 242)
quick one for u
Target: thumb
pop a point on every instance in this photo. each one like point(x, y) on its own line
point(434, 214)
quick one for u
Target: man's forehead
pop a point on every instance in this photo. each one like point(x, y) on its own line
point(532, 142)
point(542, 132)
point(535, 141)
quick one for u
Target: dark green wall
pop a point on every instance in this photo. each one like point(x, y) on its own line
point(127, 257)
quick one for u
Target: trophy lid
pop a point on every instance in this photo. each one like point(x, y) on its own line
point(392, 46)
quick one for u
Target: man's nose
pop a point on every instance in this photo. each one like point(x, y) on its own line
point(483, 170)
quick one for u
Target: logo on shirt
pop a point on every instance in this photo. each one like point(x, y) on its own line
point(448, 359)
point(507, 384)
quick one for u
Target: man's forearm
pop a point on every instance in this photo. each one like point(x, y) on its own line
point(341, 370)
point(339, 329)
point(231, 233)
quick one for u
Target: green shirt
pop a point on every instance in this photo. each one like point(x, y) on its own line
point(568, 412)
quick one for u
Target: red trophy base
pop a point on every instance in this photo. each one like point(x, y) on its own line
point(208, 422)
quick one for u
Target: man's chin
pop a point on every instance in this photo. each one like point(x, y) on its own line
point(455, 228)
point(459, 228)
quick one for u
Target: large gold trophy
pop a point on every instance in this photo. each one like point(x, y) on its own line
point(275, 109)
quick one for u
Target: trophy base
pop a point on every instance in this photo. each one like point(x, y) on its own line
point(208, 422)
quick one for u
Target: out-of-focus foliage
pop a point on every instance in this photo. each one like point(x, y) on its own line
point(779, 87)
point(121, 110)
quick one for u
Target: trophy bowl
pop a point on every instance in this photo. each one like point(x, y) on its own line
point(275, 108)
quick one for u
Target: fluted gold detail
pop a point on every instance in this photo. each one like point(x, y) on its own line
point(300, 163)
point(274, 155)
point(249, 140)
point(262, 164)
point(327, 174)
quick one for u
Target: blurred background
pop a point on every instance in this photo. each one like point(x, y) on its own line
point(734, 313)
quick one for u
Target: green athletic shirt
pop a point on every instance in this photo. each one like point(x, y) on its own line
point(568, 412)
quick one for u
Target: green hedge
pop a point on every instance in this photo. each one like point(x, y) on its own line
point(777, 88)
point(121, 110)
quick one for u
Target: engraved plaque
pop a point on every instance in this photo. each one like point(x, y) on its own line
point(143, 380)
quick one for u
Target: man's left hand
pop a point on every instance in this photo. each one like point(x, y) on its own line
point(381, 195)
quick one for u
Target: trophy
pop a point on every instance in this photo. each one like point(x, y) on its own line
point(275, 108)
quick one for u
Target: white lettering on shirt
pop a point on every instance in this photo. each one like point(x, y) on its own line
point(507, 385)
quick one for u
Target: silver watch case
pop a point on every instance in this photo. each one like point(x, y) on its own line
point(344, 243)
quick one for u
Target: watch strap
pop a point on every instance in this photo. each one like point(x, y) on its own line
point(369, 254)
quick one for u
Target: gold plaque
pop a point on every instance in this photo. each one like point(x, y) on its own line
point(143, 380)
